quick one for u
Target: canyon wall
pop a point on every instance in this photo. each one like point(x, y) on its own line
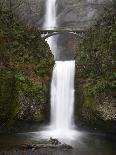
point(75, 14)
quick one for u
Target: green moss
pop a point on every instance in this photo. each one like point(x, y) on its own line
point(89, 98)
point(27, 85)
point(96, 64)
point(96, 58)
point(8, 98)
point(25, 68)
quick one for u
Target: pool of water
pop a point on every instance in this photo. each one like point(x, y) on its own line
point(87, 144)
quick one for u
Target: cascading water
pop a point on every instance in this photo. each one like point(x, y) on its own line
point(50, 23)
point(62, 95)
point(62, 86)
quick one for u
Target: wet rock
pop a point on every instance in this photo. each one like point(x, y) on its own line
point(54, 141)
point(40, 146)
point(107, 110)
point(52, 144)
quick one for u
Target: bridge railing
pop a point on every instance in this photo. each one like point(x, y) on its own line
point(60, 29)
point(48, 33)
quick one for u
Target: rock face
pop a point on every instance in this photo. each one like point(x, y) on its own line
point(28, 12)
point(75, 14)
point(107, 109)
point(79, 14)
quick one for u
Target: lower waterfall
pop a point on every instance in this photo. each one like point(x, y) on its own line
point(62, 95)
point(62, 103)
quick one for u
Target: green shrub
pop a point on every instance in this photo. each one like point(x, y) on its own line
point(8, 98)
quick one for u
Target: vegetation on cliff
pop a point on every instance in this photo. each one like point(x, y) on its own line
point(96, 68)
point(25, 69)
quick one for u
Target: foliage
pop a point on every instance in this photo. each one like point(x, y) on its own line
point(96, 57)
point(8, 98)
point(22, 46)
point(25, 66)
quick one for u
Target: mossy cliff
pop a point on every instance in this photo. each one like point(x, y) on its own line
point(25, 71)
point(95, 79)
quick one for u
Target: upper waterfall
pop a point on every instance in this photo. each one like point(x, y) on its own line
point(50, 15)
point(50, 23)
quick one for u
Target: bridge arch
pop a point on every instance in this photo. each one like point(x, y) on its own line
point(46, 34)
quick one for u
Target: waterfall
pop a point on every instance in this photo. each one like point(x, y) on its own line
point(50, 23)
point(62, 95)
point(62, 86)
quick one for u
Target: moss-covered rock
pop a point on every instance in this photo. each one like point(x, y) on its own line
point(8, 98)
point(95, 77)
point(25, 70)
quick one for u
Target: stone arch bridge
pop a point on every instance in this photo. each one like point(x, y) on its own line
point(48, 33)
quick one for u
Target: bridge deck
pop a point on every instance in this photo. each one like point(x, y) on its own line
point(60, 30)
